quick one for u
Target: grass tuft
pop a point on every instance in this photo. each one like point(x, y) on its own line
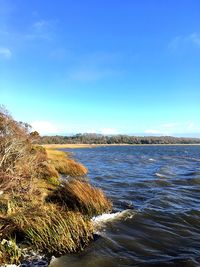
point(46, 170)
point(64, 164)
point(81, 196)
point(52, 230)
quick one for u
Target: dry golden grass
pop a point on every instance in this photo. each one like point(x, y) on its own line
point(81, 196)
point(53, 218)
point(50, 229)
point(46, 170)
point(59, 232)
point(64, 164)
point(57, 146)
point(29, 176)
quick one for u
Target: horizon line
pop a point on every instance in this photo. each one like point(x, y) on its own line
point(194, 136)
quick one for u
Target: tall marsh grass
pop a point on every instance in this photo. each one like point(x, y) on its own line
point(79, 195)
point(64, 164)
point(55, 231)
point(36, 207)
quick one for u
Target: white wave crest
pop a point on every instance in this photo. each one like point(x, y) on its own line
point(105, 217)
point(100, 221)
point(150, 159)
point(160, 175)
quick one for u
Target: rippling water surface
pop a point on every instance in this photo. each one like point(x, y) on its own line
point(156, 196)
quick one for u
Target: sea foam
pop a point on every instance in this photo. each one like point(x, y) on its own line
point(100, 221)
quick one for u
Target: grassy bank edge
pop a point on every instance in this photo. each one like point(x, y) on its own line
point(57, 222)
point(62, 146)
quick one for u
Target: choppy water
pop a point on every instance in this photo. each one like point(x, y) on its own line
point(156, 196)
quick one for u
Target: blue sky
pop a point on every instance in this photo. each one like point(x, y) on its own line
point(105, 66)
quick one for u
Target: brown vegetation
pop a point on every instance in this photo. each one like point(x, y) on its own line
point(64, 164)
point(58, 146)
point(81, 196)
point(36, 207)
point(50, 229)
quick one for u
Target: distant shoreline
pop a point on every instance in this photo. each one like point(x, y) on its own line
point(54, 146)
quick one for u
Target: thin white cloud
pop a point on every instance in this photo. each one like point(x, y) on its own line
point(173, 128)
point(41, 29)
point(194, 38)
point(40, 25)
point(44, 30)
point(44, 127)
point(191, 125)
point(50, 128)
point(181, 41)
point(5, 53)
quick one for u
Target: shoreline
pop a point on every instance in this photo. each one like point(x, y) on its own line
point(59, 146)
point(46, 201)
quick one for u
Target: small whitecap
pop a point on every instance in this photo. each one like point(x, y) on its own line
point(100, 221)
point(160, 175)
point(150, 159)
point(106, 217)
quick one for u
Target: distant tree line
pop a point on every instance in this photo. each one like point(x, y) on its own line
point(88, 138)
